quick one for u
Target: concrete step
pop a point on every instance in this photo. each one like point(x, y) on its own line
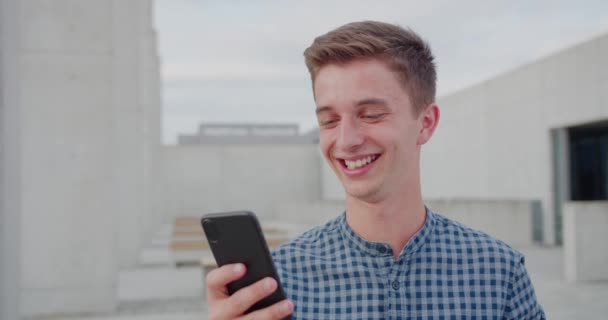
point(161, 316)
point(164, 283)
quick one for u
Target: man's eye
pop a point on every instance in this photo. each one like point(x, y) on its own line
point(327, 122)
point(374, 116)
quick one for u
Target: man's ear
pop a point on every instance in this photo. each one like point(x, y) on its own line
point(429, 118)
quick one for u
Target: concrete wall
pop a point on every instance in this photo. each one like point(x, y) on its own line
point(494, 139)
point(331, 187)
point(497, 134)
point(203, 179)
point(586, 240)
point(88, 96)
point(506, 220)
point(9, 162)
point(310, 214)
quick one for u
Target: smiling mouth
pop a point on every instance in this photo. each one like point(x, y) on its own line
point(358, 163)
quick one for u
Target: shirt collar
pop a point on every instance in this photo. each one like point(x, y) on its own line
point(379, 249)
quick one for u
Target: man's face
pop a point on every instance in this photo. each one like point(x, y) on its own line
point(368, 132)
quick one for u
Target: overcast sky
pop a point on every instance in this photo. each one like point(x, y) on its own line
point(241, 61)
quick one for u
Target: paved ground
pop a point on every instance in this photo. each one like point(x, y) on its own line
point(158, 291)
point(176, 294)
point(563, 300)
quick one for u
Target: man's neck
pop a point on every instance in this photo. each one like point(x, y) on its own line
point(393, 221)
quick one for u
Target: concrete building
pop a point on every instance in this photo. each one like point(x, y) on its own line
point(229, 133)
point(519, 135)
point(80, 121)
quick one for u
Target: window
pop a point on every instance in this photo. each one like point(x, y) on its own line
point(589, 162)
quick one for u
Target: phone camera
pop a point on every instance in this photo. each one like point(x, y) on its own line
point(211, 231)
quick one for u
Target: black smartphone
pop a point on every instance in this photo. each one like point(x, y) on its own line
point(236, 237)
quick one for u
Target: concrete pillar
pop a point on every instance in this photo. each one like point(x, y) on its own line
point(76, 121)
point(10, 141)
point(586, 240)
point(137, 124)
point(151, 105)
point(128, 123)
point(68, 190)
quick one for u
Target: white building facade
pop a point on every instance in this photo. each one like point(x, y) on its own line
point(509, 137)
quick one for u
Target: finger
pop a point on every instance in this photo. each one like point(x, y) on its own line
point(276, 311)
point(217, 280)
point(241, 300)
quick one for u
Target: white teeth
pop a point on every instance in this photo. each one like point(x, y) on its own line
point(353, 164)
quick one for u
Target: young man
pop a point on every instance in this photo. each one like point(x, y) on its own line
point(387, 256)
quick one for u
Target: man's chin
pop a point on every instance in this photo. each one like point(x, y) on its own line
point(364, 193)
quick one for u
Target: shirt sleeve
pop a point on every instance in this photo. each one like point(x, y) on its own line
point(521, 299)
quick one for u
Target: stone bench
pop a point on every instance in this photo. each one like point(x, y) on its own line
point(188, 243)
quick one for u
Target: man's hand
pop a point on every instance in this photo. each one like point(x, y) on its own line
point(223, 306)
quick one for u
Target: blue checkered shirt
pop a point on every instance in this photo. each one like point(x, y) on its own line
point(446, 271)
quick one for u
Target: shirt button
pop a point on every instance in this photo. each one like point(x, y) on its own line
point(395, 285)
point(382, 249)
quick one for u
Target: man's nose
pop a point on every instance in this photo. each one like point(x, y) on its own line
point(349, 135)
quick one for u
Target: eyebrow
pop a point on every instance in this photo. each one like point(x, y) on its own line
point(366, 101)
point(371, 101)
